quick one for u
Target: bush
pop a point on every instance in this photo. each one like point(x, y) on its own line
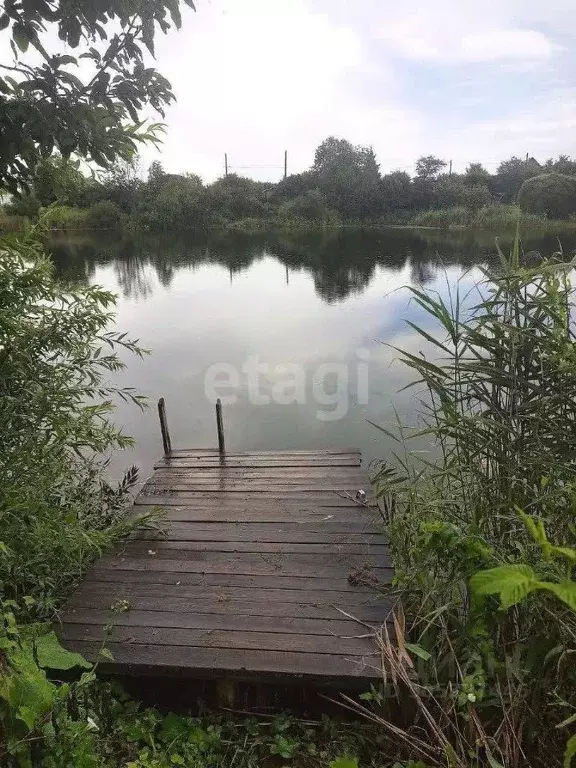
point(63, 217)
point(11, 222)
point(502, 216)
point(550, 194)
point(27, 205)
point(475, 196)
point(310, 208)
point(57, 512)
point(456, 216)
point(103, 215)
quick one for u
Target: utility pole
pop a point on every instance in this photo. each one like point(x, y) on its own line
point(450, 171)
point(285, 163)
point(526, 156)
point(225, 164)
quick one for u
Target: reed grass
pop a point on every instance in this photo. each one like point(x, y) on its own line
point(498, 400)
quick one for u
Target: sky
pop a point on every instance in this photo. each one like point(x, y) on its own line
point(468, 81)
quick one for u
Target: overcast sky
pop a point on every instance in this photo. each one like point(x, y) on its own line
point(462, 79)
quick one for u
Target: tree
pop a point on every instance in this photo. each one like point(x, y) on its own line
point(396, 191)
point(454, 191)
point(155, 172)
point(58, 179)
point(429, 167)
point(553, 194)
point(311, 206)
point(54, 105)
point(564, 164)
point(292, 186)
point(512, 174)
point(179, 202)
point(121, 185)
point(475, 173)
point(236, 197)
point(348, 176)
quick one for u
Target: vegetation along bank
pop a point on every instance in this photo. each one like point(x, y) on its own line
point(344, 187)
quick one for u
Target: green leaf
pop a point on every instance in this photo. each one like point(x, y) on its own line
point(567, 552)
point(51, 655)
point(21, 37)
point(106, 654)
point(570, 752)
point(564, 590)
point(417, 650)
point(345, 762)
point(512, 582)
point(4, 21)
point(60, 60)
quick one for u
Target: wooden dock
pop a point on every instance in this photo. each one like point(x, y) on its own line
point(260, 574)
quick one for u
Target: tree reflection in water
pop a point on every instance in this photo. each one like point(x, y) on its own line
point(341, 262)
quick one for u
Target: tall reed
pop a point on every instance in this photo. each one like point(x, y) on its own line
point(500, 406)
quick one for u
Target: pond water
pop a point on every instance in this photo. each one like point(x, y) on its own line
point(295, 333)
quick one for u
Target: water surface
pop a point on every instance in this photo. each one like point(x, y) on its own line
point(319, 314)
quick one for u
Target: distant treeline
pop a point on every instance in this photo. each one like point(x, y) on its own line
point(343, 186)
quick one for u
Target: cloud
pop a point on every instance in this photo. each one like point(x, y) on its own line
point(255, 78)
point(411, 39)
point(506, 44)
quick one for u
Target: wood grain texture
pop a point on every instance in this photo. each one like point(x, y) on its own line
point(259, 568)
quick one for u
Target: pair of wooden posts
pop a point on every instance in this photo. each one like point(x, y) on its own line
point(166, 434)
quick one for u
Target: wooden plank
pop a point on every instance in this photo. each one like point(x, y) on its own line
point(99, 598)
point(240, 563)
point(187, 452)
point(254, 503)
point(257, 462)
point(257, 501)
point(263, 473)
point(341, 546)
point(142, 659)
point(276, 560)
point(288, 625)
point(213, 554)
point(247, 513)
point(190, 488)
point(225, 639)
point(305, 531)
point(234, 585)
point(188, 532)
point(232, 497)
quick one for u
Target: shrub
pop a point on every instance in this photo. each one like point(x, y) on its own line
point(57, 512)
point(103, 215)
point(475, 196)
point(446, 217)
point(63, 217)
point(27, 205)
point(11, 222)
point(551, 194)
point(310, 208)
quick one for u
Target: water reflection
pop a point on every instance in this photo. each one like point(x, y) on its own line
point(341, 263)
point(288, 299)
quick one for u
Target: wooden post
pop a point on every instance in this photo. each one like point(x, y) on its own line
point(220, 426)
point(285, 163)
point(164, 427)
point(225, 164)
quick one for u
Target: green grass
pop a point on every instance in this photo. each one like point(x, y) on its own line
point(491, 217)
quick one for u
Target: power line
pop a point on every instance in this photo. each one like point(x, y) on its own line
point(228, 167)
